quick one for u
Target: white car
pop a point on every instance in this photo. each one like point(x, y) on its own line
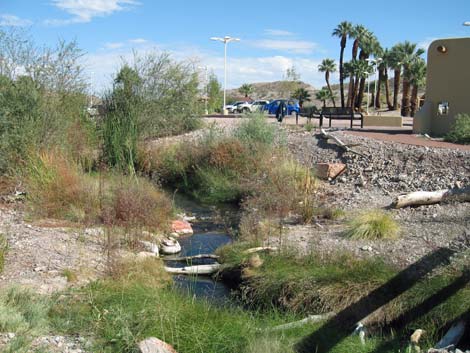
point(232, 108)
point(254, 106)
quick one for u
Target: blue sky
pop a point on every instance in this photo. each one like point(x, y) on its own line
point(274, 34)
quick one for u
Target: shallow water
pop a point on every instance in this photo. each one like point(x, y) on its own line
point(211, 231)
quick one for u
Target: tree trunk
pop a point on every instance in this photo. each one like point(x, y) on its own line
point(405, 101)
point(341, 70)
point(414, 100)
point(387, 91)
point(432, 197)
point(354, 94)
point(327, 79)
point(360, 96)
point(379, 89)
point(350, 90)
point(396, 87)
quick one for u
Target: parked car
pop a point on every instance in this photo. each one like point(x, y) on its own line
point(293, 106)
point(232, 108)
point(254, 106)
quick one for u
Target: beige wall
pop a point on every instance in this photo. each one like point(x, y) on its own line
point(448, 79)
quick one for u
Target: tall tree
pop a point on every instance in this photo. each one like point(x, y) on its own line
point(383, 67)
point(214, 94)
point(417, 80)
point(323, 95)
point(343, 30)
point(409, 54)
point(357, 68)
point(356, 33)
point(246, 89)
point(396, 64)
point(369, 45)
point(302, 95)
point(327, 66)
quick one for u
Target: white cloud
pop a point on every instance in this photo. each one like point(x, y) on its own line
point(290, 46)
point(114, 45)
point(277, 33)
point(14, 21)
point(138, 41)
point(104, 65)
point(83, 11)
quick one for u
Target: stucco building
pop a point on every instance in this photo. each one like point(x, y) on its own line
point(447, 86)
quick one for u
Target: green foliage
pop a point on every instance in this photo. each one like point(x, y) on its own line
point(460, 131)
point(3, 251)
point(302, 95)
point(255, 129)
point(309, 127)
point(215, 94)
point(373, 224)
point(246, 89)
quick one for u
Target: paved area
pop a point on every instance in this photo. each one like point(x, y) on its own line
point(402, 135)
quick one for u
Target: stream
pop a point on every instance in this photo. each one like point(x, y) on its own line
point(211, 231)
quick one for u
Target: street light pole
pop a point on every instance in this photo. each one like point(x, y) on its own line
point(225, 40)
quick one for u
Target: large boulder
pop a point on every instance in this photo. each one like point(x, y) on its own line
point(329, 171)
point(154, 345)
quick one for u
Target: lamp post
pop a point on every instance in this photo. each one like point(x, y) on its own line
point(225, 40)
point(376, 62)
point(368, 91)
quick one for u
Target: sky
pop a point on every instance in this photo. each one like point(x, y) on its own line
point(274, 35)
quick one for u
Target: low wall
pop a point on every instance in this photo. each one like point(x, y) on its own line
point(383, 120)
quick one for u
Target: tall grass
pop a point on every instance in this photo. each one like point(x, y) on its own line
point(3, 251)
point(374, 224)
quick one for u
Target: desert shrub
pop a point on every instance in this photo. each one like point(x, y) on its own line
point(56, 188)
point(373, 224)
point(136, 202)
point(215, 186)
point(3, 251)
point(256, 129)
point(460, 131)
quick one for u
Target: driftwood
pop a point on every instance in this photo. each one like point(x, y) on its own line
point(431, 197)
point(311, 319)
point(194, 270)
point(340, 143)
point(194, 257)
point(260, 249)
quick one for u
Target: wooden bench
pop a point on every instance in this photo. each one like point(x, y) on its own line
point(340, 114)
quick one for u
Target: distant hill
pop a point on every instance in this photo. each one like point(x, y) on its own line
point(269, 90)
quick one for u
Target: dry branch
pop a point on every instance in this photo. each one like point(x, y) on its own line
point(340, 143)
point(260, 249)
point(431, 197)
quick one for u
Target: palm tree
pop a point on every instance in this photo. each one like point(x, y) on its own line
point(417, 80)
point(327, 66)
point(323, 95)
point(356, 33)
point(360, 69)
point(369, 45)
point(383, 77)
point(246, 89)
point(395, 62)
point(409, 54)
point(302, 95)
point(343, 30)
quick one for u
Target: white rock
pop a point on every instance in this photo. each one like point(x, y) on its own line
point(154, 345)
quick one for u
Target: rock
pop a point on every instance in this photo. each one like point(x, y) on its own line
point(366, 248)
point(255, 261)
point(329, 170)
point(181, 227)
point(149, 246)
point(154, 345)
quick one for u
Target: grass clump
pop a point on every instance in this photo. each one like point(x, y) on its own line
point(3, 251)
point(372, 225)
point(460, 131)
point(255, 129)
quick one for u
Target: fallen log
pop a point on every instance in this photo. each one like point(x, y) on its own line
point(311, 319)
point(418, 198)
point(340, 143)
point(194, 257)
point(194, 270)
point(260, 249)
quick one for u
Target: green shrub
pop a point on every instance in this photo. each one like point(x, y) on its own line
point(255, 128)
point(373, 224)
point(460, 131)
point(3, 250)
